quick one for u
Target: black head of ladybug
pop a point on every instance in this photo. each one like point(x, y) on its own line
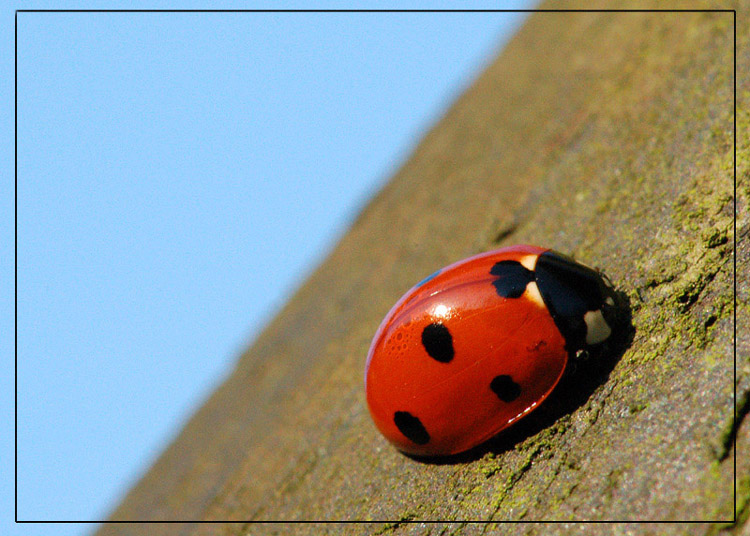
point(581, 301)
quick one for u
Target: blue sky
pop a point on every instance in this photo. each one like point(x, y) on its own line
point(179, 175)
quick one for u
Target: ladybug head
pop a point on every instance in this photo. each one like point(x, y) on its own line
point(586, 309)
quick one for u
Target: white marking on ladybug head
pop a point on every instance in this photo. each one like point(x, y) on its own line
point(529, 261)
point(532, 293)
point(609, 301)
point(597, 329)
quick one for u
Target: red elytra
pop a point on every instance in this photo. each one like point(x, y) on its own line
point(479, 344)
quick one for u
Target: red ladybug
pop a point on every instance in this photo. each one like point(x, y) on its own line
point(481, 343)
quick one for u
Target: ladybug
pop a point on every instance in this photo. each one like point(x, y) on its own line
point(479, 344)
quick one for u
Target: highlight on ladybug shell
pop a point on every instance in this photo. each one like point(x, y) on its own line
point(479, 344)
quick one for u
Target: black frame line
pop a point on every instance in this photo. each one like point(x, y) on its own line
point(732, 521)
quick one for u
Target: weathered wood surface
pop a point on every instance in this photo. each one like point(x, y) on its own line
point(604, 135)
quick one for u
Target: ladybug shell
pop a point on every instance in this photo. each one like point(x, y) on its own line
point(474, 347)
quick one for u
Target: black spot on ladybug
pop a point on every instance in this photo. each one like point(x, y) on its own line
point(411, 427)
point(438, 342)
point(505, 388)
point(512, 278)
